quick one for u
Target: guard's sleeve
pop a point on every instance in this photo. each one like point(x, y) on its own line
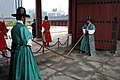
point(42, 29)
point(29, 42)
point(92, 29)
point(84, 31)
point(25, 35)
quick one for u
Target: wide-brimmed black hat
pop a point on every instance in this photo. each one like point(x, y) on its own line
point(88, 18)
point(20, 12)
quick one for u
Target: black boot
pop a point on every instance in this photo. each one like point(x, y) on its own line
point(89, 54)
point(3, 53)
point(44, 43)
point(47, 44)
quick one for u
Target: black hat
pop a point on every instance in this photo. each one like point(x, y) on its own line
point(21, 12)
point(46, 17)
point(88, 18)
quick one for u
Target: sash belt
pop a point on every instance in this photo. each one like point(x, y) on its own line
point(21, 45)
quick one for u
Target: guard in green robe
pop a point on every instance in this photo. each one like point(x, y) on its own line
point(23, 65)
point(87, 43)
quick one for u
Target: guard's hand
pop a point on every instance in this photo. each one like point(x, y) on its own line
point(87, 29)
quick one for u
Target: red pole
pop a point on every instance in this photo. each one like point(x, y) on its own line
point(65, 56)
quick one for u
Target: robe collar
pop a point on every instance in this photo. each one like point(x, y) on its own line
point(20, 21)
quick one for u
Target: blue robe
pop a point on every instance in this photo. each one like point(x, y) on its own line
point(24, 66)
point(87, 43)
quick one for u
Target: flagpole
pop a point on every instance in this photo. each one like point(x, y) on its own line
point(3, 17)
point(21, 2)
point(16, 4)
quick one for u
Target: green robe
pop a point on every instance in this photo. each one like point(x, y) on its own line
point(85, 41)
point(24, 66)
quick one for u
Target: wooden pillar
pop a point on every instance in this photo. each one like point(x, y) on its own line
point(38, 19)
point(72, 19)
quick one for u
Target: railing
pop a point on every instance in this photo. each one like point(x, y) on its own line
point(58, 43)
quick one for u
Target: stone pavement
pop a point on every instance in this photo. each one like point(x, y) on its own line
point(104, 66)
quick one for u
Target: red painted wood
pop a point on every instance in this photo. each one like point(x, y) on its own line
point(38, 19)
point(102, 13)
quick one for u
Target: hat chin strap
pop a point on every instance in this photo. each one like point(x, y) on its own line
point(23, 19)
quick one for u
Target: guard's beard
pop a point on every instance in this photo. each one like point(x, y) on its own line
point(24, 21)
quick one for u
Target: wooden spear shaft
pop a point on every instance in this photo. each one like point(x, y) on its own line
point(72, 48)
point(65, 56)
